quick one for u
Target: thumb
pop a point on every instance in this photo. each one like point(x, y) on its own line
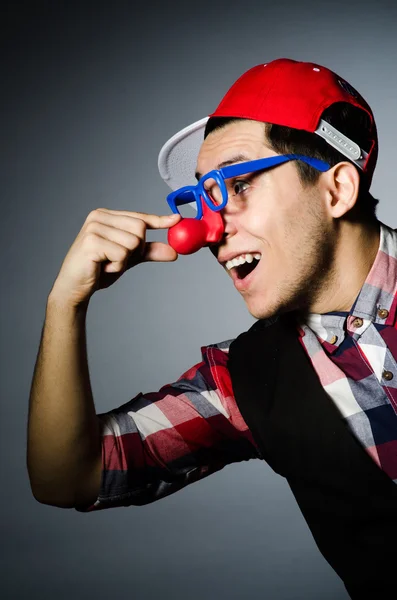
point(159, 252)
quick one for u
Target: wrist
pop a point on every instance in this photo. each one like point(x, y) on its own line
point(58, 302)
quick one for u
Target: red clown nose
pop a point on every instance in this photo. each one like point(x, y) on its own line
point(189, 235)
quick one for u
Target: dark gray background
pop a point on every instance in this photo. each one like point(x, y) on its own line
point(90, 92)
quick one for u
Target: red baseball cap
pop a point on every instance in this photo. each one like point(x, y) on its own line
point(283, 92)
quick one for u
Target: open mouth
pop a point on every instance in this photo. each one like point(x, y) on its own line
point(242, 266)
point(245, 269)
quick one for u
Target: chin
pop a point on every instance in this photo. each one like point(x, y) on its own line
point(262, 310)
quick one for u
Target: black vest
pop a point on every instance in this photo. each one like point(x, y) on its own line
point(348, 502)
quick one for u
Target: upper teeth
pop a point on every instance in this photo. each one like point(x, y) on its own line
point(240, 260)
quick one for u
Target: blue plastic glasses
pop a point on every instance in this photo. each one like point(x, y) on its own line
point(191, 194)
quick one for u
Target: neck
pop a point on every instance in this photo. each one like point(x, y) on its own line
point(356, 248)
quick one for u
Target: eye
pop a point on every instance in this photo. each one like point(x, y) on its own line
point(240, 187)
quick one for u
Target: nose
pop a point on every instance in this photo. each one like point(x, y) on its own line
point(189, 235)
point(229, 218)
point(230, 228)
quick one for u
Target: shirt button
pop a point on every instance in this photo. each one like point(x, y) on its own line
point(334, 339)
point(357, 322)
point(383, 313)
point(388, 375)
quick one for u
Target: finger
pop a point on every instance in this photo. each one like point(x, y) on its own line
point(151, 221)
point(158, 252)
point(128, 239)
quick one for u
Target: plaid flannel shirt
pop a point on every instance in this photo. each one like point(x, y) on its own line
point(157, 443)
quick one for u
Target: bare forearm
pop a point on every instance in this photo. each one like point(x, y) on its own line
point(63, 431)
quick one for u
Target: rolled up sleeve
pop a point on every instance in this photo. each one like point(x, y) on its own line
point(160, 442)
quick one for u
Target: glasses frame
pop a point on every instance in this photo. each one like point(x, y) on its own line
point(198, 191)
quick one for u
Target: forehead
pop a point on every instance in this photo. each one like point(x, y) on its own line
point(242, 138)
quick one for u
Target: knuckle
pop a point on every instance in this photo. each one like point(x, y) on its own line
point(131, 242)
point(139, 227)
point(96, 213)
point(123, 254)
point(90, 227)
point(135, 245)
point(92, 216)
point(90, 238)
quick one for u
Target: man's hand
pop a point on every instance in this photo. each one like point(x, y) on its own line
point(109, 243)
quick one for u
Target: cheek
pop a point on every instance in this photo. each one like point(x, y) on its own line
point(258, 216)
point(269, 208)
point(271, 224)
point(284, 233)
point(274, 214)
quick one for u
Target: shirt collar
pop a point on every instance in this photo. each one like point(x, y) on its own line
point(375, 302)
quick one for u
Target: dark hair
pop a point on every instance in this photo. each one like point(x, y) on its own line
point(346, 118)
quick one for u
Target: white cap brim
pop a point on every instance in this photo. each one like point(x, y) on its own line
point(177, 159)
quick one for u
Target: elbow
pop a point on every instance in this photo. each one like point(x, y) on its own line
point(45, 496)
point(59, 503)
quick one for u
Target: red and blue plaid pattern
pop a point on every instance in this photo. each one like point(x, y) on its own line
point(157, 443)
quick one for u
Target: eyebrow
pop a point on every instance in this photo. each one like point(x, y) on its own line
point(226, 163)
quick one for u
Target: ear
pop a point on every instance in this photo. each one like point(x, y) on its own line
point(343, 183)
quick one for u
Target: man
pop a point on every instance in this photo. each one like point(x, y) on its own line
point(282, 200)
